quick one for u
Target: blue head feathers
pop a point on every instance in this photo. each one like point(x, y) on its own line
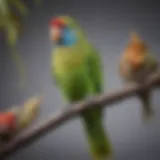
point(68, 37)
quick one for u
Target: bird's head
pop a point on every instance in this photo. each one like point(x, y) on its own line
point(136, 51)
point(7, 122)
point(63, 30)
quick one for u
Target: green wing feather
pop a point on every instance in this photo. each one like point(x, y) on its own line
point(95, 70)
point(98, 138)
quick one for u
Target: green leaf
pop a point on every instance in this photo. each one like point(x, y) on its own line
point(4, 13)
point(12, 37)
point(16, 21)
point(20, 6)
point(12, 34)
point(12, 26)
point(1, 22)
point(4, 7)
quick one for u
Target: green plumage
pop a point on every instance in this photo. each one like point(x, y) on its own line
point(77, 71)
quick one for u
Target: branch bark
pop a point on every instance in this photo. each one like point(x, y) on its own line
point(24, 139)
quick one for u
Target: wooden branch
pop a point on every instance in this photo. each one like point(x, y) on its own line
point(56, 120)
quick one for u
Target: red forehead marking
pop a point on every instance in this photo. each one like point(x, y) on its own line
point(57, 22)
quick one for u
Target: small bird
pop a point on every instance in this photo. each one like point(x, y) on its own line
point(7, 125)
point(137, 64)
point(77, 71)
point(28, 112)
point(18, 118)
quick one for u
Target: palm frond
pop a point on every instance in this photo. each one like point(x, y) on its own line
point(19, 6)
point(12, 25)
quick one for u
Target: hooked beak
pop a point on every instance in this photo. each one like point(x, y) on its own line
point(55, 33)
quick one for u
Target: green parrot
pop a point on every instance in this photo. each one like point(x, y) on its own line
point(137, 63)
point(77, 71)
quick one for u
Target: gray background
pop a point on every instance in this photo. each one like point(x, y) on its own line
point(107, 24)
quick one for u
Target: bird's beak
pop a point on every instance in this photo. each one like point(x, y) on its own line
point(55, 34)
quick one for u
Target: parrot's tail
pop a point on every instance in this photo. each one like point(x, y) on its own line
point(147, 109)
point(100, 146)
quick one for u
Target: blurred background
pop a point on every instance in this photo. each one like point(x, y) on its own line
point(107, 24)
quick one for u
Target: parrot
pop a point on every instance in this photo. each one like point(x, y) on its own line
point(137, 63)
point(76, 70)
point(17, 118)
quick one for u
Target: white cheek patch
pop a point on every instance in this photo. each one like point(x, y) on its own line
point(55, 31)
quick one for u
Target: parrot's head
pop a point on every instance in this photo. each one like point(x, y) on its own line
point(136, 52)
point(63, 30)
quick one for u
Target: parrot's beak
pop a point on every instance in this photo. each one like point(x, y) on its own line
point(55, 34)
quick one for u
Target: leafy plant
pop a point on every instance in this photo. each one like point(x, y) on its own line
point(11, 25)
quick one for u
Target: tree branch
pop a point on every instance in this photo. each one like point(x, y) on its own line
point(24, 139)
